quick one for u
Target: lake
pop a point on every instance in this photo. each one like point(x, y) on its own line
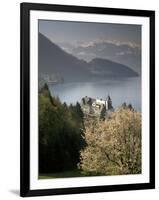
point(124, 90)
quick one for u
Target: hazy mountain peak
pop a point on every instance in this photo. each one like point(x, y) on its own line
point(53, 60)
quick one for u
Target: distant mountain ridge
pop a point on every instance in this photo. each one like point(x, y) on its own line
point(127, 53)
point(106, 67)
point(52, 59)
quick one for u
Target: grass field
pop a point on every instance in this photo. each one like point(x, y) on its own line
point(65, 174)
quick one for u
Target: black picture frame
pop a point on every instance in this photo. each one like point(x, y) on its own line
point(25, 9)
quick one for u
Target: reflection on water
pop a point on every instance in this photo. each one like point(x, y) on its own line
point(125, 90)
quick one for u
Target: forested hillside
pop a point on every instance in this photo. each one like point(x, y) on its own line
point(60, 133)
point(72, 145)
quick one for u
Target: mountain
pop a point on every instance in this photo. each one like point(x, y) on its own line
point(107, 68)
point(126, 54)
point(53, 60)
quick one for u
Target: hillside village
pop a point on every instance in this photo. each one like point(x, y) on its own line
point(99, 108)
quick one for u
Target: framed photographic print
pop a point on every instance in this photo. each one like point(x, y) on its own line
point(87, 99)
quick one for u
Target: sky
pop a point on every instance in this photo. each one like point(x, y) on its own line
point(85, 32)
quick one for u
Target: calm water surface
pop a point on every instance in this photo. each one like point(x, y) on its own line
point(124, 90)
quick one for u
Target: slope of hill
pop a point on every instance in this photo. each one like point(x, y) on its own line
point(107, 68)
point(53, 60)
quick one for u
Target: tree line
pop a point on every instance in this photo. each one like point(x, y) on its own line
point(67, 140)
point(60, 133)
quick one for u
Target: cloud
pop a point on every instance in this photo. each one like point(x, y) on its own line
point(87, 44)
point(113, 42)
point(127, 53)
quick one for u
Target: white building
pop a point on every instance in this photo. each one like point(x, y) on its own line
point(91, 106)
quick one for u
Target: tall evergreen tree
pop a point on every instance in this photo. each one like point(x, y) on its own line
point(60, 133)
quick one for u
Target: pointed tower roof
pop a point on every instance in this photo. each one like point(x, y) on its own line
point(108, 98)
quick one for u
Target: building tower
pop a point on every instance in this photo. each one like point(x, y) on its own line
point(108, 103)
